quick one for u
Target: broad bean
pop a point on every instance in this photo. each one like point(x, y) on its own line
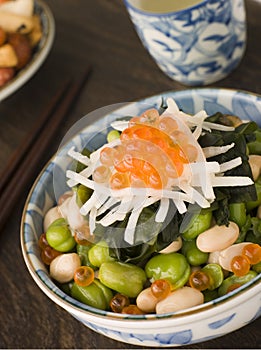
point(96, 294)
point(172, 267)
point(99, 253)
point(257, 267)
point(254, 204)
point(82, 251)
point(59, 236)
point(215, 273)
point(83, 193)
point(237, 213)
point(235, 281)
point(194, 256)
point(200, 223)
point(124, 278)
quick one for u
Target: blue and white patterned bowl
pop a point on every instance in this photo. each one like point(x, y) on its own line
point(195, 46)
point(198, 324)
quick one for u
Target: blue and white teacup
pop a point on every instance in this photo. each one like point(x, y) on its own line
point(193, 42)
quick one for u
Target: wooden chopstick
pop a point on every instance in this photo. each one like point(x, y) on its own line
point(19, 154)
point(27, 164)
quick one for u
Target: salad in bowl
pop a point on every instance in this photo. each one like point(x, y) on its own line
point(160, 217)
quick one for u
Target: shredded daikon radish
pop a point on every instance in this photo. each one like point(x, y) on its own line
point(163, 210)
point(216, 150)
point(195, 185)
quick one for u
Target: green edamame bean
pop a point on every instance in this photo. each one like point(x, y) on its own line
point(59, 236)
point(95, 295)
point(172, 267)
point(215, 273)
point(237, 213)
point(82, 251)
point(210, 295)
point(235, 280)
point(124, 278)
point(254, 204)
point(253, 235)
point(83, 193)
point(99, 253)
point(113, 135)
point(200, 223)
point(78, 165)
point(257, 267)
point(194, 256)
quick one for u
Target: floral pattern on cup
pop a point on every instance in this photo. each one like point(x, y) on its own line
point(195, 46)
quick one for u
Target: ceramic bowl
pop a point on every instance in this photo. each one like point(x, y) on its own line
point(195, 45)
point(40, 52)
point(198, 324)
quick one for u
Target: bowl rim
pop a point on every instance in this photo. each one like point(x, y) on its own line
point(221, 303)
point(38, 57)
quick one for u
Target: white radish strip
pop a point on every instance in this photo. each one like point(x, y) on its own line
point(215, 126)
point(132, 222)
point(197, 197)
point(172, 107)
point(210, 167)
point(107, 205)
point(91, 203)
point(120, 125)
point(230, 164)
point(92, 220)
point(126, 205)
point(197, 132)
point(102, 200)
point(216, 150)
point(163, 210)
point(87, 172)
point(180, 205)
point(87, 206)
point(79, 179)
point(78, 156)
point(231, 181)
point(118, 213)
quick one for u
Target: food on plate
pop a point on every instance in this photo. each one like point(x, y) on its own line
point(20, 32)
point(163, 217)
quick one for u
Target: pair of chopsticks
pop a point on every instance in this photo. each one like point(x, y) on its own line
point(22, 164)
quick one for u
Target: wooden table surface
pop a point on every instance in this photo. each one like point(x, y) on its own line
point(100, 33)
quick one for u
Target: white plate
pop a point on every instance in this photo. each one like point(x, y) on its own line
point(40, 54)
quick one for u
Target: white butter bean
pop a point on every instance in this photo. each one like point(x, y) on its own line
point(172, 247)
point(52, 215)
point(146, 301)
point(213, 258)
point(63, 266)
point(226, 255)
point(180, 299)
point(217, 237)
point(255, 165)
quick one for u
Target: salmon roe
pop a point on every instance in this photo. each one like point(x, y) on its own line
point(148, 155)
point(83, 276)
point(240, 265)
point(160, 289)
point(252, 252)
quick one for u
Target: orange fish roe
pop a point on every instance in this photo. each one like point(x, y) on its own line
point(148, 155)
